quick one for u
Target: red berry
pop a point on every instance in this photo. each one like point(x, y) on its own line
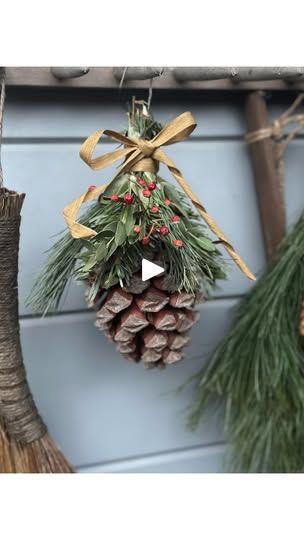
point(151, 186)
point(145, 240)
point(146, 193)
point(114, 198)
point(128, 198)
point(175, 219)
point(91, 188)
point(137, 229)
point(167, 202)
point(164, 230)
point(178, 243)
point(141, 182)
point(154, 209)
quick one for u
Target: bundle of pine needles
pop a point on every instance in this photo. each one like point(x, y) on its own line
point(132, 222)
point(258, 369)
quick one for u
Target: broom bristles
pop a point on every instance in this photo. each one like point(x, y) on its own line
point(40, 456)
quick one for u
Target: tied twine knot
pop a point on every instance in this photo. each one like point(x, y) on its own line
point(146, 147)
point(276, 132)
point(145, 156)
point(147, 163)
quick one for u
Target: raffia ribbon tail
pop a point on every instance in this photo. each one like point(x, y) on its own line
point(137, 153)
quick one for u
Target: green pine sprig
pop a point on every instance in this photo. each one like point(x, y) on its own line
point(130, 225)
point(54, 277)
point(196, 263)
point(257, 371)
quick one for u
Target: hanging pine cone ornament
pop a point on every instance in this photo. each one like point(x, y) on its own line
point(137, 216)
point(147, 321)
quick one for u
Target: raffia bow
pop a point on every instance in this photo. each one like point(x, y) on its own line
point(142, 155)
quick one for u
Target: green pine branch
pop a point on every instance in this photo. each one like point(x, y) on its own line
point(258, 369)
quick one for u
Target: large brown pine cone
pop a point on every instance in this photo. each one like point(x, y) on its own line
point(146, 321)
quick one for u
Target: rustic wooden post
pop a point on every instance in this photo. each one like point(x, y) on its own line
point(269, 192)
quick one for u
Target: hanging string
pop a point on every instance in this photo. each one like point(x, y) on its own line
point(2, 99)
point(122, 77)
point(150, 94)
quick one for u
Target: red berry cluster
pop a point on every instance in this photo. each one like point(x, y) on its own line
point(147, 192)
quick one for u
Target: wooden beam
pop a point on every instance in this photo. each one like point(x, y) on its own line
point(239, 74)
point(203, 73)
point(269, 193)
point(136, 73)
point(69, 72)
point(103, 77)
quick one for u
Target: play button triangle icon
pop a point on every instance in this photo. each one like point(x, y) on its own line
point(150, 269)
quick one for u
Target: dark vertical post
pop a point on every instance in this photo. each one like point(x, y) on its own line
point(269, 191)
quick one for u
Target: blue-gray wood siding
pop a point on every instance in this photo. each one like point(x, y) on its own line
point(106, 414)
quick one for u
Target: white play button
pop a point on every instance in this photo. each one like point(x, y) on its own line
point(149, 269)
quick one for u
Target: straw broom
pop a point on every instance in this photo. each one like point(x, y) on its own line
point(25, 446)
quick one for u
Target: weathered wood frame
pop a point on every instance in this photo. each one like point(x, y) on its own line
point(182, 78)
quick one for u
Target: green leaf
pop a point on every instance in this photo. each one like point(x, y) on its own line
point(101, 252)
point(118, 186)
point(89, 245)
point(132, 239)
point(130, 222)
point(111, 250)
point(111, 226)
point(171, 193)
point(145, 200)
point(105, 202)
point(124, 215)
point(104, 234)
point(89, 264)
point(205, 243)
point(150, 177)
point(120, 235)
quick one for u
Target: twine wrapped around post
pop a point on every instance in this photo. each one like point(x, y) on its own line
point(275, 131)
point(25, 446)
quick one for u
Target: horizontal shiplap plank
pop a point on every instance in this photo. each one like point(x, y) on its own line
point(53, 175)
point(205, 459)
point(45, 115)
point(99, 407)
point(77, 117)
